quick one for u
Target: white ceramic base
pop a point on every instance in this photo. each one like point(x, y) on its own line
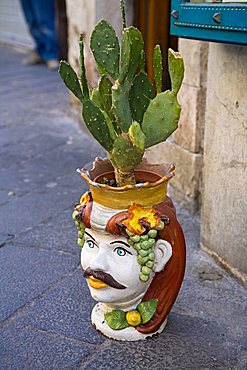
point(128, 334)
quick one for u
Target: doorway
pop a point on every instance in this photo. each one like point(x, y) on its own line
point(152, 17)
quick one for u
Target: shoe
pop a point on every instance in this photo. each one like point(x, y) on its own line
point(52, 64)
point(32, 59)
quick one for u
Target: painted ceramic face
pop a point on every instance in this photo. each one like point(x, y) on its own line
point(111, 254)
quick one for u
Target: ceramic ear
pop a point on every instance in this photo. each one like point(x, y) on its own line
point(163, 252)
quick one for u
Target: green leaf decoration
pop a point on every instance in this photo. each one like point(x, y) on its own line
point(116, 319)
point(70, 79)
point(147, 310)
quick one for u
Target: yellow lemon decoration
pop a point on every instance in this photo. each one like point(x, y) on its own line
point(118, 319)
point(133, 318)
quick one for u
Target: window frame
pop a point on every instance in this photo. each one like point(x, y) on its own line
point(218, 22)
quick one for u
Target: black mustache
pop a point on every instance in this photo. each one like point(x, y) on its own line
point(103, 276)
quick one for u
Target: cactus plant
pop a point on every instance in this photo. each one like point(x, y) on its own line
point(125, 113)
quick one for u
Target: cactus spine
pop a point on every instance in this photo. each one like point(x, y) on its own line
point(125, 116)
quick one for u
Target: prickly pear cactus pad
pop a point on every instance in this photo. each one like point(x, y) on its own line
point(105, 47)
point(125, 96)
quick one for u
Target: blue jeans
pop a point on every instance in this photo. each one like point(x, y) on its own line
point(40, 17)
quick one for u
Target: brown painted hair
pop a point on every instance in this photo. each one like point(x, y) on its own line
point(165, 284)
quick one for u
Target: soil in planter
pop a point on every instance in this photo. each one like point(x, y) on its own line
point(113, 183)
point(108, 182)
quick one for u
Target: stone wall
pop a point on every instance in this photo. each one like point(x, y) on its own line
point(13, 27)
point(185, 147)
point(224, 195)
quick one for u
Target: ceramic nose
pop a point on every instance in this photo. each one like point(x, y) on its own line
point(100, 261)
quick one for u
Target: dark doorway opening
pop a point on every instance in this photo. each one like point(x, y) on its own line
point(152, 17)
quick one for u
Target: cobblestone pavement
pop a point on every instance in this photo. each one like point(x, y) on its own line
point(45, 304)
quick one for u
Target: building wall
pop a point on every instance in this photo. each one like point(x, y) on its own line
point(81, 18)
point(224, 193)
point(13, 28)
point(185, 146)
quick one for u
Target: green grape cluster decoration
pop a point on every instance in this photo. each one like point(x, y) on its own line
point(144, 245)
point(80, 228)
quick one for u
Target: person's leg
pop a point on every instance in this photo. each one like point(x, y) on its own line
point(29, 13)
point(44, 11)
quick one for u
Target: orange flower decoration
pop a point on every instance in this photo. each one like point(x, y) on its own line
point(139, 216)
point(85, 198)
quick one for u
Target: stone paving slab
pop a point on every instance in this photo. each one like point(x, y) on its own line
point(25, 348)
point(5, 196)
point(186, 343)
point(206, 283)
point(59, 233)
point(65, 310)
point(29, 148)
point(208, 291)
point(11, 135)
point(33, 208)
point(26, 273)
point(4, 238)
point(55, 127)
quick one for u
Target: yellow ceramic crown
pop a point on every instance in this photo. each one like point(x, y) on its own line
point(151, 187)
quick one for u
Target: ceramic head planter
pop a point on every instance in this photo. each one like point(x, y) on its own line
point(133, 255)
point(133, 250)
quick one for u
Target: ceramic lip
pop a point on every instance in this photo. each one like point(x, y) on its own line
point(164, 171)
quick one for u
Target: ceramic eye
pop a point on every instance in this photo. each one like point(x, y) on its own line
point(90, 244)
point(120, 251)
